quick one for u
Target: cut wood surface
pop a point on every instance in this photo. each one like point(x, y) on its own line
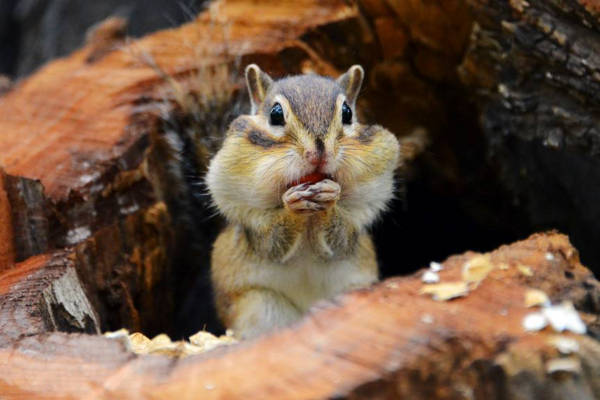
point(388, 341)
point(44, 294)
point(7, 250)
point(66, 124)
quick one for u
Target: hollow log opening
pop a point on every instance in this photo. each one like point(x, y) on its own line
point(452, 199)
point(428, 68)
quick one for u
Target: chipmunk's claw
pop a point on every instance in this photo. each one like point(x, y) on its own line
point(305, 198)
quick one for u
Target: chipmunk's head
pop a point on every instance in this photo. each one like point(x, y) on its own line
point(310, 113)
point(302, 129)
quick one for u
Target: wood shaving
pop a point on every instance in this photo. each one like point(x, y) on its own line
point(565, 345)
point(435, 266)
point(162, 344)
point(139, 342)
point(476, 269)
point(569, 364)
point(121, 333)
point(534, 322)
point(430, 277)
point(446, 291)
point(535, 297)
point(525, 270)
point(208, 341)
point(564, 317)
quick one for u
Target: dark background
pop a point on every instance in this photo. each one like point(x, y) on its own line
point(35, 31)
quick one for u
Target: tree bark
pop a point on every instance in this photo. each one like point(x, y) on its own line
point(536, 68)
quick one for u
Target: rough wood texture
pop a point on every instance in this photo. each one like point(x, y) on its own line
point(552, 49)
point(536, 68)
point(43, 294)
point(386, 342)
point(7, 248)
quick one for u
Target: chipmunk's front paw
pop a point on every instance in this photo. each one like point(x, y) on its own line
point(308, 198)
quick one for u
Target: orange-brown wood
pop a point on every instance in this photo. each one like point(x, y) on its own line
point(43, 294)
point(21, 271)
point(7, 249)
point(66, 123)
point(385, 342)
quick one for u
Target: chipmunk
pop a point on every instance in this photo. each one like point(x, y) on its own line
point(299, 181)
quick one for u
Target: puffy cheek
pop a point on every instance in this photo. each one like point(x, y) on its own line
point(295, 166)
point(268, 179)
point(355, 165)
point(360, 164)
point(264, 177)
point(247, 176)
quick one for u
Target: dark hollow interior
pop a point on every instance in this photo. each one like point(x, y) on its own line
point(435, 213)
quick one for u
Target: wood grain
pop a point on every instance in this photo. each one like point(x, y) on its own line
point(388, 341)
point(7, 250)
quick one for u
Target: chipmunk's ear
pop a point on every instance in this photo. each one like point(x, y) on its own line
point(351, 82)
point(258, 83)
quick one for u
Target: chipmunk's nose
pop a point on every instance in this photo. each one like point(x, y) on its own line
point(316, 155)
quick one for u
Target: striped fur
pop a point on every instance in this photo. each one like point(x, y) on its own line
point(288, 246)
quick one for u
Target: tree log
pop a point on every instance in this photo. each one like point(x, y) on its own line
point(43, 294)
point(7, 248)
point(389, 341)
point(536, 68)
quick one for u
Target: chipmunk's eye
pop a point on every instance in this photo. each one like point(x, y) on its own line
point(346, 114)
point(277, 115)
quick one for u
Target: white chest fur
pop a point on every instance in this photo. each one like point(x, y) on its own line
point(306, 278)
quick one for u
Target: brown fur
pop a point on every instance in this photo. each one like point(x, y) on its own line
point(288, 244)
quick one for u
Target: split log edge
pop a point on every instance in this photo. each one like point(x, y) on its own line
point(386, 341)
